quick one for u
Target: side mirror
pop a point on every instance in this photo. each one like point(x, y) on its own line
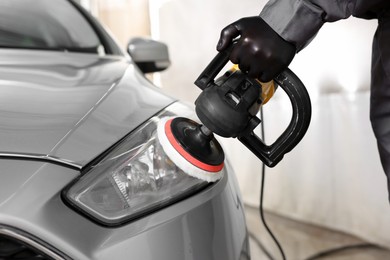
point(149, 55)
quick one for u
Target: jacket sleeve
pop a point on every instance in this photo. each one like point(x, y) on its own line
point(298, 21)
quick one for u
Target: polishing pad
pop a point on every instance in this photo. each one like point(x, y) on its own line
point(196, 153)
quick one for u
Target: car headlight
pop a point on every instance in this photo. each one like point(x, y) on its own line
point(134, 178)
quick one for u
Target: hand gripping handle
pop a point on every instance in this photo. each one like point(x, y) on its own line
point(300, 121)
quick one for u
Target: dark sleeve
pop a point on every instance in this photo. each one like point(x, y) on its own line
point(298, 21)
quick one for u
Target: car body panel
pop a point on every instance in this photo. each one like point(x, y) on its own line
point(70, 106)
point(210, 225)
point(59, 112)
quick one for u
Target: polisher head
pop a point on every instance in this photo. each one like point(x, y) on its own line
point(196, 153)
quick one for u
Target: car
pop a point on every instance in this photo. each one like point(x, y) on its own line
point(82, 174)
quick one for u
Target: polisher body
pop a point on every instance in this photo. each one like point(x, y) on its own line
point(227, 107)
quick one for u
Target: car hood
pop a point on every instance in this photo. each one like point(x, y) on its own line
point(70, 107)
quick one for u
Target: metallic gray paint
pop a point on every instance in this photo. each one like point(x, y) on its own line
point(70, 106)
point(30, 241)
point(40, 157)
point(210, 225)
point(64, 109)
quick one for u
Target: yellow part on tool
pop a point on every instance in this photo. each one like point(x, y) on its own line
point(267, 88)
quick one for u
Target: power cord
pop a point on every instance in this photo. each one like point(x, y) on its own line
point(313, 257)
point(262, 195)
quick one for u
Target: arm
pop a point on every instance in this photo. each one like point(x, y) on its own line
point(268, 42)
point(299, 21)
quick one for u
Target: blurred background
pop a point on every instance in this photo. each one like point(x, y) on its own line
point(333, 178)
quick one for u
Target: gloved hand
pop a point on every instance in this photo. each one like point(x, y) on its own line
point(260, 51)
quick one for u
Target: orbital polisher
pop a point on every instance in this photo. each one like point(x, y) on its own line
point(227, 106)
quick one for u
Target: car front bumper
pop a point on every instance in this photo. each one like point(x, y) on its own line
point(208, 225)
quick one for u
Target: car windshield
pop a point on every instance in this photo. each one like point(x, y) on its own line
point(46, 24)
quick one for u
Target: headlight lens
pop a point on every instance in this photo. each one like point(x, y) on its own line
point(136, 177)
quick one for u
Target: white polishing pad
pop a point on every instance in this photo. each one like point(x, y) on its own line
point(179, 160)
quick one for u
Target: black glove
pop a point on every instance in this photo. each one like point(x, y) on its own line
point(260, 51)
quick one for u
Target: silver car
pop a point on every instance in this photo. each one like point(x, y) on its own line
point(82, 175)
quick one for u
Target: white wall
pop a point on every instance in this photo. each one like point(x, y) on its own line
point(124, 18)
point(333, 177)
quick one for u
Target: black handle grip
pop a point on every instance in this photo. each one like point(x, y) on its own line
point(300, 121)
point(215, 66)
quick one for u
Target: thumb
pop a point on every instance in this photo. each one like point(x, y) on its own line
point(227, 35)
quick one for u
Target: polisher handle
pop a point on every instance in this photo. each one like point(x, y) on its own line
point(300, 121)
point(215, 66)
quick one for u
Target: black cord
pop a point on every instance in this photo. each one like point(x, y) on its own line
point(313, 257)
point(262, 194)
